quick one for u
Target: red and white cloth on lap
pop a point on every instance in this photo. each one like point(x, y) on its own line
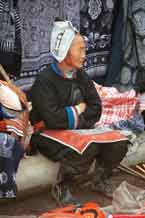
point(80, 139)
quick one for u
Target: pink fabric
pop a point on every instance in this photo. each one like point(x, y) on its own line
point(116, 106)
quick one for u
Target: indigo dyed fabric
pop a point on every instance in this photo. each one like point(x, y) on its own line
point(37, 18)
point(11, 153)
point(96, 19)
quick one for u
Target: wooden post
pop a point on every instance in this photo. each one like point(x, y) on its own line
point(4, 74)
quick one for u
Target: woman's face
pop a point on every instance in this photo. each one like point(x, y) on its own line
point(77, 53)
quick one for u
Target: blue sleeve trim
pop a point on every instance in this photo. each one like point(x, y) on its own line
point(71, 118)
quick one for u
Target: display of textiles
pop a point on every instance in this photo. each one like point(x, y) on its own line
point(102, 22)
point(96, 19)
point(37, 18)
point(10, 37)
point(127, 62)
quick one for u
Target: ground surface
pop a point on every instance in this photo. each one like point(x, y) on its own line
point(42, 201)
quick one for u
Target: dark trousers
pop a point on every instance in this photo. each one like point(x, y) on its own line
point(107, 155)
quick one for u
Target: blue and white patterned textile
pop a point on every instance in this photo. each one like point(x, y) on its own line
point(11, 153)
point(37, 17)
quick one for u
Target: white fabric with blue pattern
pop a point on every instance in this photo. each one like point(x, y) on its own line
point(62, 36)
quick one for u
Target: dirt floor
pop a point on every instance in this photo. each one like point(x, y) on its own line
point(42, 201)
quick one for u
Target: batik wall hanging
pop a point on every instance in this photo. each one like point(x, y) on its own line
point(96, 20)
point(37, 18)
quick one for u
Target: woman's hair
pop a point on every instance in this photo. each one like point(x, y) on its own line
point(57, 19)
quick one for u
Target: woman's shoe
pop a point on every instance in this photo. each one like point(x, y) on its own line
point(104, 187)
point(102, 183)
point(62, 194)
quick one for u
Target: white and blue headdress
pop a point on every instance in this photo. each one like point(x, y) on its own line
point(62, 36)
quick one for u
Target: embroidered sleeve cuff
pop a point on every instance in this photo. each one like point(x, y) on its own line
point(72, 117)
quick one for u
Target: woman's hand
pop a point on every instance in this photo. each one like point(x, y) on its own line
point(82, 107)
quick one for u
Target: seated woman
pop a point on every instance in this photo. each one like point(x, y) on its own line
point(63, 97)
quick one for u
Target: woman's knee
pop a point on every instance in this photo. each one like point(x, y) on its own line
point(120, 147)
point(114, 152)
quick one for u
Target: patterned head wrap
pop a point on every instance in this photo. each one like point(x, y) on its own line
point(62, 36)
